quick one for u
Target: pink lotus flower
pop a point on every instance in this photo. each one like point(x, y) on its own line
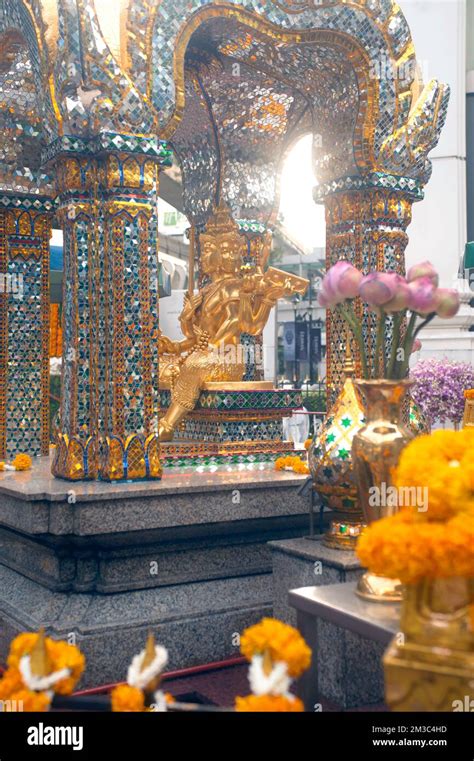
point(416, 345)
point(399, 302)
point(422, 296)
point(422, 270)
point(378, 288)
point(341, 282)
point(448, 302)
point(324, 300)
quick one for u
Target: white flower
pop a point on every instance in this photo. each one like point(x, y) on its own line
point(277, 682)
point(138, 678)
point(40, 683)
point(160, 705)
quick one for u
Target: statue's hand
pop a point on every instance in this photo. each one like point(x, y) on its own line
point(192, 302)
point(253, 284)
point(167, 346)
point(276, 292)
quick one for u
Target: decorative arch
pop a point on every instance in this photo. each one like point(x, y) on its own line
point(211, 138)
point(378, 27)
point(24, 19)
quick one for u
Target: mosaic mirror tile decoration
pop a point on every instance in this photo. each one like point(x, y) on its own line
point(91, 110)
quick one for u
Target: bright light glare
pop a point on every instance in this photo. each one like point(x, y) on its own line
point(302, 218)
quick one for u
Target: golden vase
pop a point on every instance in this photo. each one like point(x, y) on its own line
point(429, 665)
point(330, 463)
point(376, 449)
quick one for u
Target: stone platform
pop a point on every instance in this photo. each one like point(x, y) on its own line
point(348, 637)
point(186, 556)
point(307, 561)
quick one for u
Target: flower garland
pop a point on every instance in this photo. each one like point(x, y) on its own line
point(438, 542)
point(268, 703)
point(141, 692)
point(277, 654)
point(292, 462)
point(38, 669)
point(21, 462)
point(469, 393)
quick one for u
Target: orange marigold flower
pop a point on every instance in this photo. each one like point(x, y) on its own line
point(22, 462)
point(10, 682)
point(268, 703)
point(294, 462)
point(411, 550)
point(66, 656)
point(20, 646)
point(441, 463)
point(61, 654)
point(126, 698)
point(32, 702)
point(283, 642)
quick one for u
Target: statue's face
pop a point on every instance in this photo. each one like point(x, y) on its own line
point(229, 254)
point(209, 256)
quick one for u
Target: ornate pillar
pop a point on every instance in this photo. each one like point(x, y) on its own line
point(25, 231)
point(366, 222)
point(108, 191)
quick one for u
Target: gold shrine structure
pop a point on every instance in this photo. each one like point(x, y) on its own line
point(94, 105)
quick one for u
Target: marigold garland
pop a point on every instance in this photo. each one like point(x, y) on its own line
point(283, 642)
point(61, 655)
point(22, 462)
point(32, 702)
point(443, 463)
point(67, 656)
point(437, 543)
point(292, 462)
point(268, 703)
point(13, 689)
point(127, 699)
point(413, 550)
point(10, 682)
point(469, 393)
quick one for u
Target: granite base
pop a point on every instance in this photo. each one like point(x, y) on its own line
point(103, 563)
point(348, 637)
point(307, 562)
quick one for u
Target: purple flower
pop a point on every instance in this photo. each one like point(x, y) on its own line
point(439, 388)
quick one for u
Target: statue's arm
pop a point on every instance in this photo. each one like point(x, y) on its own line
point(254, 312)
point(187, 317)
point(167, 346)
